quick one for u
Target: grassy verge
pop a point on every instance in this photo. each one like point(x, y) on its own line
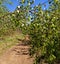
point(9, 41)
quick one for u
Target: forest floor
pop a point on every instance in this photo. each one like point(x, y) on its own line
point(17, 54)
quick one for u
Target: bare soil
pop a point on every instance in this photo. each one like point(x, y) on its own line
point(18, 54)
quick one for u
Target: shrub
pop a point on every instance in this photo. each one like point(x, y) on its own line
point(44, 32)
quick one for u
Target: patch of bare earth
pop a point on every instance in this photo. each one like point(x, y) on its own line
point(18, 54)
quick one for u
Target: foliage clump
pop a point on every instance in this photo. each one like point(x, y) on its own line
point(44, 32)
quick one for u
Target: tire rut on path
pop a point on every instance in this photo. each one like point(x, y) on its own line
point(18, 54)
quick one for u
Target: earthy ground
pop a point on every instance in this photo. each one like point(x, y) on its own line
point(18, 54)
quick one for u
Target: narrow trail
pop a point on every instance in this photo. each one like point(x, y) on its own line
point(18, 54)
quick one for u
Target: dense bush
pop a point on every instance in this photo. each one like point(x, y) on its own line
point(44, 33)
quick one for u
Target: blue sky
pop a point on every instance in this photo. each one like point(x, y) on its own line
point(16, 3)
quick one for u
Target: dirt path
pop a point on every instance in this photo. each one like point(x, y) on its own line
point(17, 55)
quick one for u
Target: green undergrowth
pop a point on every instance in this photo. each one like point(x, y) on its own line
point(7, 41)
